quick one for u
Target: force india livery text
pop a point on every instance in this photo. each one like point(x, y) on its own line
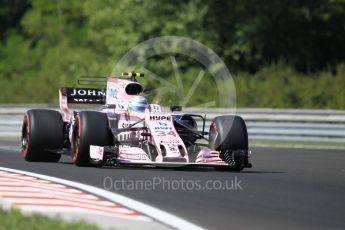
point(130, 131)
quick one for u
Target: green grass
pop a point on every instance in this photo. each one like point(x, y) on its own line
point(14, 219)
point(14, 139)
point(290, 144)
point(295, 144)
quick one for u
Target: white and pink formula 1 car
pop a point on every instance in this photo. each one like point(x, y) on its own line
point(130, 131)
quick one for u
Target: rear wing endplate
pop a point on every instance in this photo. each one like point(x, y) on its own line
point(79, 96)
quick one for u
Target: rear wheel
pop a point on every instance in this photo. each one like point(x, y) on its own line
point(228, 135)
point(90, 128)
point(42, 133)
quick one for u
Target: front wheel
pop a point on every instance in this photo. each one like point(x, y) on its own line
point(90, 128)
point(228, 135)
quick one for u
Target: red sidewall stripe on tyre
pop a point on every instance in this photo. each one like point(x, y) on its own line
point(27, 134)
point(75, 157)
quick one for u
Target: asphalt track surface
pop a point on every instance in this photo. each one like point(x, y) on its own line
point(286, 189)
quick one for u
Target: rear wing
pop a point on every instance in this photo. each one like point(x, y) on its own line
point(84, 95)
point(79, 96)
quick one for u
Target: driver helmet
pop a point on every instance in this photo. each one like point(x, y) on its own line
point(137, 104)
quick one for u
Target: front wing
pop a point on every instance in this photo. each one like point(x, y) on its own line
point(134, 156)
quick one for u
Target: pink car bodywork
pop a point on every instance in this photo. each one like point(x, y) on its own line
point(157, 128)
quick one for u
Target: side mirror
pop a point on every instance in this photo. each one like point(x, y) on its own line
point(174, 108)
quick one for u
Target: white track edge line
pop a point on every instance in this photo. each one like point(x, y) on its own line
point(155, 213)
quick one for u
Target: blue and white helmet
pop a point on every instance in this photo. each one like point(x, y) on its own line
point(137, 104)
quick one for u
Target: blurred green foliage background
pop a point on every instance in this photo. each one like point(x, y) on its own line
point(282, 54)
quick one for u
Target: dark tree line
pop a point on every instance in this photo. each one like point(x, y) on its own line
point(50, 41)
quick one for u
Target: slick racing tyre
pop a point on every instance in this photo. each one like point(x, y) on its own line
point(228, 135)
point(90, 128)
point(42, 133)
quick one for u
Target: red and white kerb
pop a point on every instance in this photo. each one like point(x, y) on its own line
point(34, 194)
